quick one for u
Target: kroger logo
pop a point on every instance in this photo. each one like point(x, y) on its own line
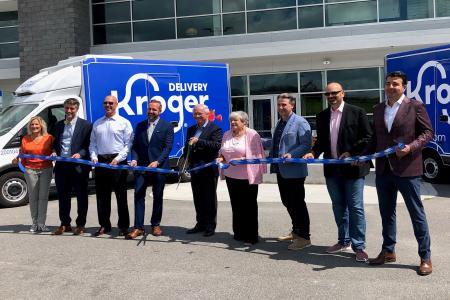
point(442, 91)
point(175, 103)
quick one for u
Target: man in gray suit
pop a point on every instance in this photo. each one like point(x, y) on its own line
point(292, 139)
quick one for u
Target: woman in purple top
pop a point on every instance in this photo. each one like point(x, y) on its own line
point(241, 142)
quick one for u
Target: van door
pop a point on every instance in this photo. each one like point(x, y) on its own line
point(442, 126)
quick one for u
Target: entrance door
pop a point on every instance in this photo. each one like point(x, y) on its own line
point(263, 116)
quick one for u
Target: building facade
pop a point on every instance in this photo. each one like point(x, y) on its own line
point(272, 46)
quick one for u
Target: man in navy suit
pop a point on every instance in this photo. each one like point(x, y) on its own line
point(72, 137)
point(151, 147)
point(292, 139)
point(203, 143)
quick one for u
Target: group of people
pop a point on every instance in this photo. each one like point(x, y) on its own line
point(343, 130)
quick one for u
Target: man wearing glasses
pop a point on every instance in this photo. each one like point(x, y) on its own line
point(343, 130)
point(111, 139)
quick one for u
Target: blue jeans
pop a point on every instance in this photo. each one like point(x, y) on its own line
point(348, 208)
point(387, 187)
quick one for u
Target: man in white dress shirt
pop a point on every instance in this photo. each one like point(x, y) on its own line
point(110, 143)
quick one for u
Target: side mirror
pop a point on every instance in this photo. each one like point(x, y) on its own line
point(443, 118)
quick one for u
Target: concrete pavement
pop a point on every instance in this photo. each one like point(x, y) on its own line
point(180, 266)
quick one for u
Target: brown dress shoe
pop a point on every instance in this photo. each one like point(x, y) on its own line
point(61, 229)
point(383, 257)
point(134, 234)
point(156, 231)
point(79, 230)
point(425, 267)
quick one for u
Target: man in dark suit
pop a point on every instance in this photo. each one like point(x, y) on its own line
point(72, 140)
point(343, 130)
point(401, 120)
point(151, 147)
point(202, 146)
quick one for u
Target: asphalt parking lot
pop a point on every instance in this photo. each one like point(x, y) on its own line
point(180, 266)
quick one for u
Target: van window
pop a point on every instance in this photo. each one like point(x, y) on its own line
point(51, 115)
point(13, 115)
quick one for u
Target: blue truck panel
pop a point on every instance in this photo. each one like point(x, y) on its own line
point(179, 86)
point(428, 72)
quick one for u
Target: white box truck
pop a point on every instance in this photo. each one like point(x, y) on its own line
point(178, 85)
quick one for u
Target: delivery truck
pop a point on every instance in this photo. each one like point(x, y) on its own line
point(428, 72)
point(178, 85)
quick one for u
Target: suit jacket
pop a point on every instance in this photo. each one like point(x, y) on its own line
point(353, 137)
point(159, 146)
point(411, 126)
point(80, 138)
point(207, 147)
point(296, 139)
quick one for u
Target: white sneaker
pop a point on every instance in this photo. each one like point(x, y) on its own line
point(43, 228)
point(34, 228)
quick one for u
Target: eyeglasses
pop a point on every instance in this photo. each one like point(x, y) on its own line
point(108, 103)
point(334, 93)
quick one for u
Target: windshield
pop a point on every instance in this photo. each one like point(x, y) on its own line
point(12, 115)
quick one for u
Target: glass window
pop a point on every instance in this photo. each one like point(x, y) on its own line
point(262, 4)
point(200, 7)
point(351, 13)
point(262, 117)
point(9, 34)
point(393, 10)
point(311, 104)
point(311, 82)
point(13, 115)
point(8, 18)
point(364, 99)
point(152, 9)
point(355, 79)
point(9, 50)
point(239, 103)
point(273, 84)
point(111, 12)
point(233, 5)
point(310, 16)
point(154, 30)
point(442, 8)
point(233, 23)
point(238, 85)
point(113, 33)
point(272, 20)
point(307, 2)
point(199, 26)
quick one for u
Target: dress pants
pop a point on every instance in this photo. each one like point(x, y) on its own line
point(107, 181)
point(143, 179)
point(38, 184)
point(292, 193)
point(204, 185)
point(243, 198)
point(387, 187)
point(70, 176)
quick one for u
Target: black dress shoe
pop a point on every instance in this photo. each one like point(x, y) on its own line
point(208, 232)
point(196, 229)
point(101, 231)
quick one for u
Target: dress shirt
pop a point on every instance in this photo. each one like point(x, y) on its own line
point(335, 122)
point(200, 129)
point(111, 135)
point(391, 111)
point(151, 128)
point(66, 140)
point(276, 140)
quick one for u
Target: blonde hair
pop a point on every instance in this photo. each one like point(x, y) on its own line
point(41, 122)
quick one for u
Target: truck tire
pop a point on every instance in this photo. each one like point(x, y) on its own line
point(13, 190)
point(433, 168)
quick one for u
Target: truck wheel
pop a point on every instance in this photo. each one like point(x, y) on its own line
point(14, 191)
point(433, 167)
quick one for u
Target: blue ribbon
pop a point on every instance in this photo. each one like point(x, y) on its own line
point(234, 162)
